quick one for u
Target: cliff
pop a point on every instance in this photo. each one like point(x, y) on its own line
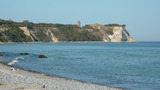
point(115, 33)
point(30, 32)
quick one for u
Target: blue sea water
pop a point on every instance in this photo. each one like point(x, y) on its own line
point(132, 66)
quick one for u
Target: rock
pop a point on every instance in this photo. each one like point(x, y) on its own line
point(24, 53)
point(44, 86)
point(1, 83)
point(1, 54)
point(42, 56)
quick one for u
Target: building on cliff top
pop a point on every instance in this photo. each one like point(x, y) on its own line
point(79, 24)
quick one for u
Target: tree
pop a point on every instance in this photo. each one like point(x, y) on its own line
point(25, 22)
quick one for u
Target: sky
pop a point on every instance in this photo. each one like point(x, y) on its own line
point(141, 17)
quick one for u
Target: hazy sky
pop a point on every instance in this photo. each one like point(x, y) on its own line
point(142, 17)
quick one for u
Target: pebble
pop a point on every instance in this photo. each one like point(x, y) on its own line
point(30, 79)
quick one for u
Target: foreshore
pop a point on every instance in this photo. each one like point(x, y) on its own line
point(29, 80)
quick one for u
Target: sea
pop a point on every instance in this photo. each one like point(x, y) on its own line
point(131, 66)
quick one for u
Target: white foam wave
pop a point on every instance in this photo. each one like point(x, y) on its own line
point(13, 62)
point(16, 60)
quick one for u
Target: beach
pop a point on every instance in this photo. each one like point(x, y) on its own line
point(29, 80)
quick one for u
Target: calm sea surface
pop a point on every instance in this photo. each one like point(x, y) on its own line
point(133, 66)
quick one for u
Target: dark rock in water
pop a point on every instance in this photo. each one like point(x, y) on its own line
point(42, 56)
point(24, 53)
point(1, 54)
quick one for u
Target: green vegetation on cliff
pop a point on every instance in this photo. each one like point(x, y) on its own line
point(13, 33)
point(26, 31)
point(113, 25)
point(71, 33)
point(64, 32)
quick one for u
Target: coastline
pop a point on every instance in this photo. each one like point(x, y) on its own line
point(54, 42)
point(26, 79)
point(62, 42)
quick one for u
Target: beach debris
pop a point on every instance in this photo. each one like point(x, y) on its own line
point(13, 69)
point(1, 54)
point(42, 56)
point(24, 53)
point(1, 83)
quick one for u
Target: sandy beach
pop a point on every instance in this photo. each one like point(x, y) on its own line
point(28, 80)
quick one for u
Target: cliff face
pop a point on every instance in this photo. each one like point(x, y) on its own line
point(35, 37)
point(2, 35)
point(120, 34)
point(30, 32)
point(113, 33)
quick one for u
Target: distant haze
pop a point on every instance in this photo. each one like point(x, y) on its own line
point(142, 17)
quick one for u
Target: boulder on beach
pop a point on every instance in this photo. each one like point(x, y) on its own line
point(1, 54)
point(42, 56)
point(24, 53)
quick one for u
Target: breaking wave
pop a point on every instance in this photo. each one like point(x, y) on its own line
point(16, 60)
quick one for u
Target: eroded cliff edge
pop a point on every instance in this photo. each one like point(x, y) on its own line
point(42, 32)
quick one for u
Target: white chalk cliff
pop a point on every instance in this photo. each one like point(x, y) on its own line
point(120, 34)
point(113, 33)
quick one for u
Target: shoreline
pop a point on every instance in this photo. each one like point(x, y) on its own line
point(27, 79)
point(62, 42)
point(57, 42)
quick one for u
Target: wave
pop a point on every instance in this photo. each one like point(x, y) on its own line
point(13, 62)
point(16, 60)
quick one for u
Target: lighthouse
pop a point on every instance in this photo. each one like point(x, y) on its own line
point(79, 24)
